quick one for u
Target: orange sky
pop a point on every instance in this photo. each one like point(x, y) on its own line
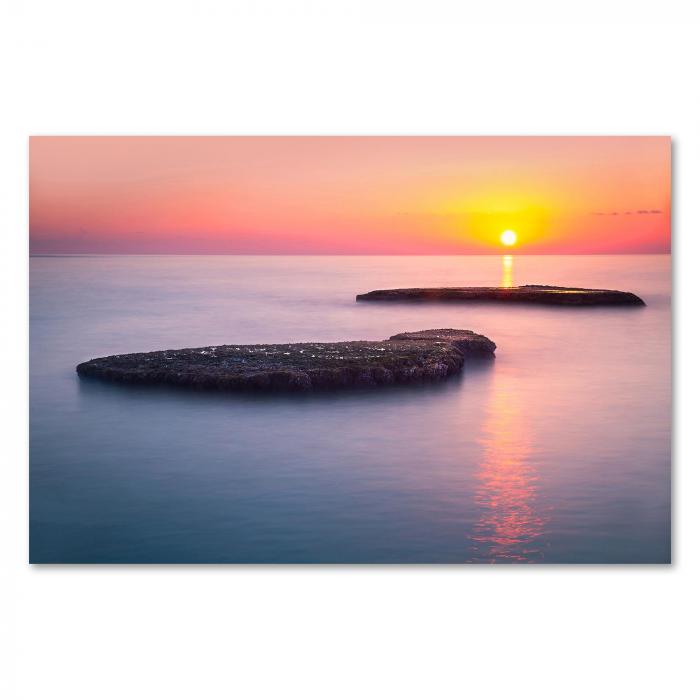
point(349, 195)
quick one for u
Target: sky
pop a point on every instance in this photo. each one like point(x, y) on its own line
point(348, 195)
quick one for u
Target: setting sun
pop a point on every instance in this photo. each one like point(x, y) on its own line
point(508, 238)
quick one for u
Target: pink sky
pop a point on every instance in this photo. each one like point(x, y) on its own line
point(349, 195)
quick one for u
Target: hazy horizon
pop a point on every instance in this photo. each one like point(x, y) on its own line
point(332, 255)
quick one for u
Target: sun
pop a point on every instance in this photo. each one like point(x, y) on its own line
point(509, 237)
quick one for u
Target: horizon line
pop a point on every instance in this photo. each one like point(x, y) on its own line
point(334, 255)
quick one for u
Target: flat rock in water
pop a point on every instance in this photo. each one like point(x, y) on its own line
point(406, 357)
point(530, 293)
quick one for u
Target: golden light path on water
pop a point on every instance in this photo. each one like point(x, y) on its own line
point(510, 521)
point(507, 491)
point(507, 276)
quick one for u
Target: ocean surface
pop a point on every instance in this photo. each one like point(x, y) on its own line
point(558, 451)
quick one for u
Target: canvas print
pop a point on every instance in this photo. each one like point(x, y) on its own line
point(343, 350)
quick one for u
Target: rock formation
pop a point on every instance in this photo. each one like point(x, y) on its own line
point(406, 357)
point(530, 293)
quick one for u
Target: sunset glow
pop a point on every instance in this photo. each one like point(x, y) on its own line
point(349, 195)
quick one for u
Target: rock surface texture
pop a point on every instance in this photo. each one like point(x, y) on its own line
point(403, 358)
point(530, 293)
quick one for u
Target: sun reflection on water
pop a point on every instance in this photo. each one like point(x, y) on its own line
point(507, 276)
point(510, 523)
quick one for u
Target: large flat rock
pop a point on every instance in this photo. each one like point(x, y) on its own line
point(406, 357)
point(530, 293)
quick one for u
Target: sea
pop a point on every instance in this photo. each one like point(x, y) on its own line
point(556, 451)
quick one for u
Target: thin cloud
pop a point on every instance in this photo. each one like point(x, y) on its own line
point(627, 213)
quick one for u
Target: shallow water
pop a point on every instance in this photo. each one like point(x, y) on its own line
point(556, 451)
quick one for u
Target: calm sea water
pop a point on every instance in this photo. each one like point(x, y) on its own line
point(556, 451)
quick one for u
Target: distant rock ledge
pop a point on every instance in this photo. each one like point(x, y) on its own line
point(530, 293)
point(403, 358)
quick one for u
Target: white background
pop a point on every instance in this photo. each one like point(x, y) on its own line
point(357, 67)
